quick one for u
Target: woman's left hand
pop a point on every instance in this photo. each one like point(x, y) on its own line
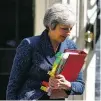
point(59, 82)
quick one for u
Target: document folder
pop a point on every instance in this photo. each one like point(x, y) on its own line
point(73, 64)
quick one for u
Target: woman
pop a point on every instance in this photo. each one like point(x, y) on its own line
point(35, 56)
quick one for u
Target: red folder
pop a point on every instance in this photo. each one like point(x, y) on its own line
point(73, 64)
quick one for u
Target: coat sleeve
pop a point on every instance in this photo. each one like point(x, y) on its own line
point(21, 64)
point(77, 86)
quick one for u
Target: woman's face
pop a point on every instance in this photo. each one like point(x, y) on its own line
point(60, 32)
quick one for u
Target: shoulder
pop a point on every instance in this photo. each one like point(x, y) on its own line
point(34, 40)
point(69, 44)
point(28, 43)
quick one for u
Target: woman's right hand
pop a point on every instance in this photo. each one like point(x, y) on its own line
point(53, 83)
point(59, 82)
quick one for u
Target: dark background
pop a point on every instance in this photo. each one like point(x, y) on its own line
point(16, 23)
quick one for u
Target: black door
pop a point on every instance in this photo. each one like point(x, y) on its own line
point(16, 23)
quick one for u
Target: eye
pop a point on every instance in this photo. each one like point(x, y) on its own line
point(67, 29)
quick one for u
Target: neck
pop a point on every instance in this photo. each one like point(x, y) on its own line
point(54, 43)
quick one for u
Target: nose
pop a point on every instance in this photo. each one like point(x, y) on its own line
point(68, 33)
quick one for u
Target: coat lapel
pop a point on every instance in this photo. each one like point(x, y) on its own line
point(47, 48)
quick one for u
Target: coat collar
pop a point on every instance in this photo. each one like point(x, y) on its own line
point(46, 44)
point(47, 49)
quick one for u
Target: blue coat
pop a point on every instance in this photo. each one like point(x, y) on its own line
point(34, 58)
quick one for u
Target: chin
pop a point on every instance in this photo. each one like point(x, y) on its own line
point(61, 40)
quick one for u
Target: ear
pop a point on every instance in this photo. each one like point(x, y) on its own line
point(50, 28)
point(53, 25)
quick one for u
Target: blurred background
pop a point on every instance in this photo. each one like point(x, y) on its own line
point(24, 18)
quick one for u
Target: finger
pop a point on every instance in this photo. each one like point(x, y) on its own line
point(53, 83)
point(53, 86)
point(59, 76)
point(53, 80)
point(60, 80)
